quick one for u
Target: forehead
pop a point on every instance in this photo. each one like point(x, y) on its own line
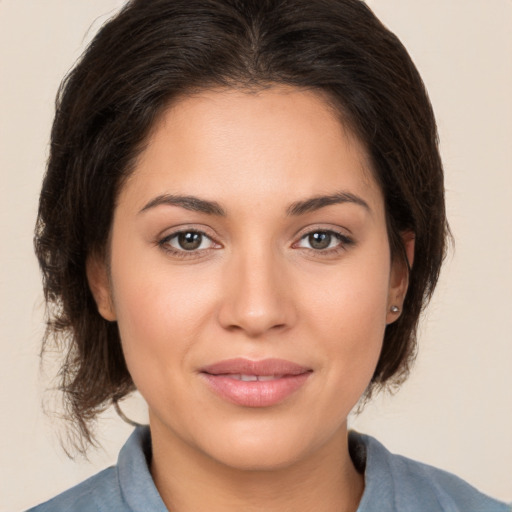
point(233, 144)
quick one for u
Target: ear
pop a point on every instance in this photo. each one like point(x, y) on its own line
point(399, 278)
point(99, 284)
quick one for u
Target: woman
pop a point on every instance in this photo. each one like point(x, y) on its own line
point(242, 218)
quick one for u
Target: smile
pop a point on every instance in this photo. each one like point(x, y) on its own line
point(255, 383)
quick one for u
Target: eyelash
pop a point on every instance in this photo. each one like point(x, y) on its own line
point(344, 243)
point(164, 244)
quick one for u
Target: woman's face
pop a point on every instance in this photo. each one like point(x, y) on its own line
point(250, 276)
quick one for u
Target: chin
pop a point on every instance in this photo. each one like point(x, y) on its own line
point(266, 447)
point(259, 456)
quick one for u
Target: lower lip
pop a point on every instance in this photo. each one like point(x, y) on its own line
point(255, 393)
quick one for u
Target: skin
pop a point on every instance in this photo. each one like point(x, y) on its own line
point(256, 288)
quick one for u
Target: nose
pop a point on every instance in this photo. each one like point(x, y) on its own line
point(257, 296)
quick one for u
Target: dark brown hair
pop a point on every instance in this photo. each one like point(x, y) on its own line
point(155, 51)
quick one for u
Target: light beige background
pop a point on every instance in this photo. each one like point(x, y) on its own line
point(456, 410)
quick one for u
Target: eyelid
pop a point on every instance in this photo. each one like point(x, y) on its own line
point(324, 228)
point(345, 240)
point(175, 236)
point(186, 228)
point(162, 241)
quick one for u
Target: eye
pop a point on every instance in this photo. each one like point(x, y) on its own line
point(323, 240)
point(187, 241)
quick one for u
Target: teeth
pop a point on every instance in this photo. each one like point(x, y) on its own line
point(254, 378)
point(248, 378)
point(269, 377)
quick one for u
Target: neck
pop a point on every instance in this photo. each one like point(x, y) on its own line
point(189, 480)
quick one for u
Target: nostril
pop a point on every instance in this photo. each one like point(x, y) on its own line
point(253, 324)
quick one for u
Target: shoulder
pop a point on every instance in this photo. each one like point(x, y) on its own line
point(99, 492)
point(405, 484)
point(126, 487)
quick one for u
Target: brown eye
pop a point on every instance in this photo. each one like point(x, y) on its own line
point(187, 241)
point(320, 240)
point(190, 240)
point(324, 241)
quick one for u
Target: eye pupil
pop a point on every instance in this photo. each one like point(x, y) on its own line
point(320, 240)
point(190, 241)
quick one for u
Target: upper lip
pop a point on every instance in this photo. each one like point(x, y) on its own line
point(264, 367)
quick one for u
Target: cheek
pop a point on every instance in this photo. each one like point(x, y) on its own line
point(347, 315)
point(160, 312)
point(352, 298)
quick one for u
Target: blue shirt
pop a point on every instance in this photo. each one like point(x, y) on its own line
point(392, 484)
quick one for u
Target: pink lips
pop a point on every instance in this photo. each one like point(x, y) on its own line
point(255, 383)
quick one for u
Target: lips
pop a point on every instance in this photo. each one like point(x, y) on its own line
point(255, 383)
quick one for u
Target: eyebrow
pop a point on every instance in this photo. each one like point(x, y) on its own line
point(315, 203)
point(295, 209)
point(188, 202)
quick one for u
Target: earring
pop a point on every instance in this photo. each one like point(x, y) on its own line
point(395, 309)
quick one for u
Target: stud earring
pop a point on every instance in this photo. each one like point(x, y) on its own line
point(395, 309)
